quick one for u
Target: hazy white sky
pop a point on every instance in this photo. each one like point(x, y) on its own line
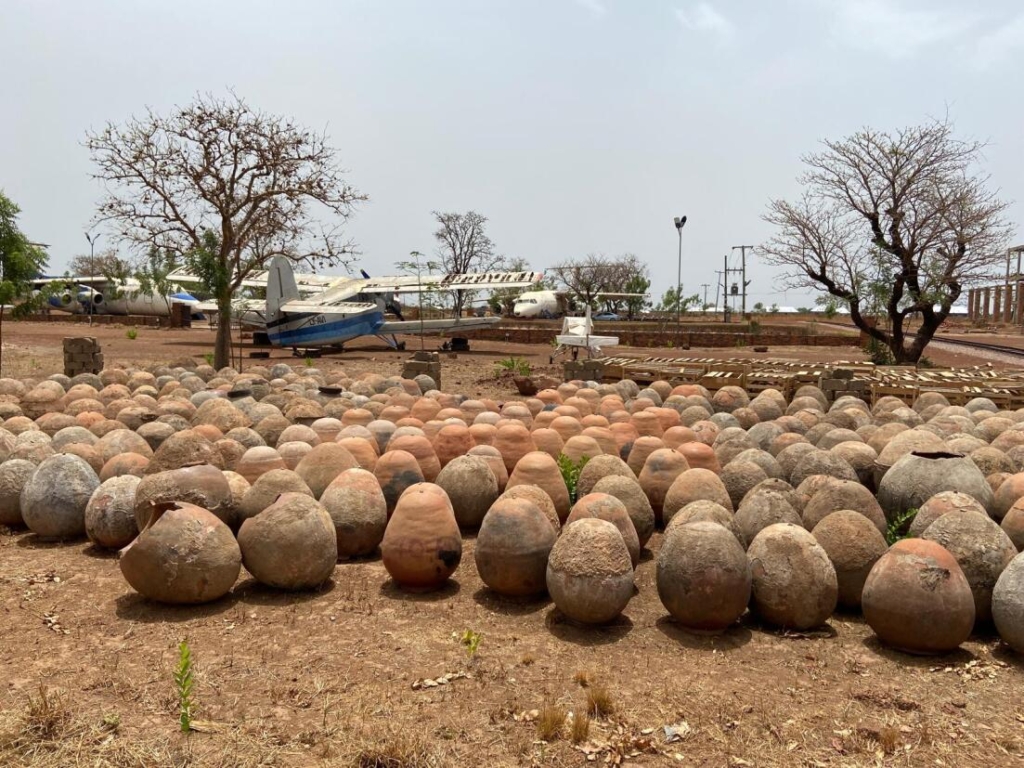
point(576, 126)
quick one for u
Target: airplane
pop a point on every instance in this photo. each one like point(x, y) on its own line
point(338, 309)
point(549, 304)
point(577, 334)
point(83, 295)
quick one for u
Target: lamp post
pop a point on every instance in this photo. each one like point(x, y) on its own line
point(92, 265)
point(680, 222)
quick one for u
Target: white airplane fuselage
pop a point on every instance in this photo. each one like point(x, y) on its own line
point(127, 298)
point(537, 304)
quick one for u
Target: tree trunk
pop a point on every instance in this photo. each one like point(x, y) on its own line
point(222, 345)
point(1, 340)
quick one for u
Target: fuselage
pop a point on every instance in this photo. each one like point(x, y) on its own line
point(537, 304)
point(126, 299)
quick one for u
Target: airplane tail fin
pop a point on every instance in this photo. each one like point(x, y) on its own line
point(281, 286)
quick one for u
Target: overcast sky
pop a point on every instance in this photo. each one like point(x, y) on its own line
point(576, 126)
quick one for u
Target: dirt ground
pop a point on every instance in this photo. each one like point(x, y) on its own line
point(333, 677)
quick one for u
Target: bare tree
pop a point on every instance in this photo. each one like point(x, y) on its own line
point(586, 279)
point(105, 264)
point(894, 224)
point(463, 246)
point(219, 173)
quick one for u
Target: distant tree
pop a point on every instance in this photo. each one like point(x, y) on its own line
point(639, 284)
point(670, 301)
point(803, 310)
point(463, 246)
point(585, 280)
point(502, 300)
point(902, 220)
point(218, 173)
point(759, 307)
point(774, 308)
point(106, 264)
point(20, 262)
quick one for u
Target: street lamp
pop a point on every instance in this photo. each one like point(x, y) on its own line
point(680, 222)
point(92, 265)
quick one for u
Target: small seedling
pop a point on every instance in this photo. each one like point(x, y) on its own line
point(209, 358)
point(580, 727)
point(308, 361)
point(132, 334)
point(898, 526)
point(550, 722)
point(471, 641)
point(571, 473)
point(183, 683)
point(599, 701)
point(516, 365)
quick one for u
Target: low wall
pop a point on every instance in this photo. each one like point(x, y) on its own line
point(672, 339)
point(66, 317)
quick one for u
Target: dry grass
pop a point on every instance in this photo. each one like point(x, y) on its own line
point(527, 659)
point(550, 722)
point(394, 750)
point(580, 731)
point(599, 700)
point(581, 678)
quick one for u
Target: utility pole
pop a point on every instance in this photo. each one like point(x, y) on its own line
point(743, 274)
point(705, 287)
point(718, 285)
point(725, 288)
point(92, 266)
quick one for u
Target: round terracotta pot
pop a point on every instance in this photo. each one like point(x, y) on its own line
point(292, 544)
point(589, 573)
point(566, 426)
point(703, 576)
point(599, 467)
point(421, 448)
point(494, 460)
point(425, 409)
point(513, 441)
point(110, 513)
point(548, 440)
point(579, 447)
point(395, 472)
point(643, 447)
point(660, 470)
point(604, 439)
point(364, 451)
point(124, 464)
point(677, 435)
point(202, 485)
point(647, 423)
point(539, 469)
point(512, 548)
point(451, 442)
point(184, 555)
point(917, 599)
point(607, 507)
point(422, 546)
point(471, 487)
point(625, 435)
point(482, 434)
point(540, 499)
point(322, 464)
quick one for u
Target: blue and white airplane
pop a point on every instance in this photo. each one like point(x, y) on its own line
point(337, 309)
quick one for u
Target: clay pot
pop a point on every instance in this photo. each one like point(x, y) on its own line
point(494, 460)
point(184, 555)
point(358, 511)
point(660, 471)
point(566, 427)
point(512, 548)
point(694, 485)
point(181, 449)
point(598, 468)
point(124, 464)
point(471, 488)
point(1008, 604)
point(513, 441)
point(843, 494)
point(706, 512)
point(422, 450)
point(452, 441)
point(982, 550)
point(110, 514)
point(538, 498)
point(1013, 525)
point(422, 546)
point(119, 441)
point(627, 490)
point(739, 477)
point(761, 510)
point(580, 447)
point(854, 545)
point(917, 599)
point(14, 475)
point(607, 507)
point(395, 472)
point(322, 464)
point(539, 469)
point(548, 440)
point(642, 448)
point(916, 477)
point(647, 423)
point(674, 437)
point(267, 488)
point(703, 576)
point(258, 460)
point(292, 544)
point(589, 573)
point(202, 485)
point(794, 583)
point(1010, 491)
point(54, 498)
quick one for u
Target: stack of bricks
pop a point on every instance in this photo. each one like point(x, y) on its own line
point(428, 363)
point(840, 382)
point(585, 370)
point(82, 354)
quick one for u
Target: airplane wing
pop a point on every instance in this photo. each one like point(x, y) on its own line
point(71, 280)
point(468, 281)
point(415, 327)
